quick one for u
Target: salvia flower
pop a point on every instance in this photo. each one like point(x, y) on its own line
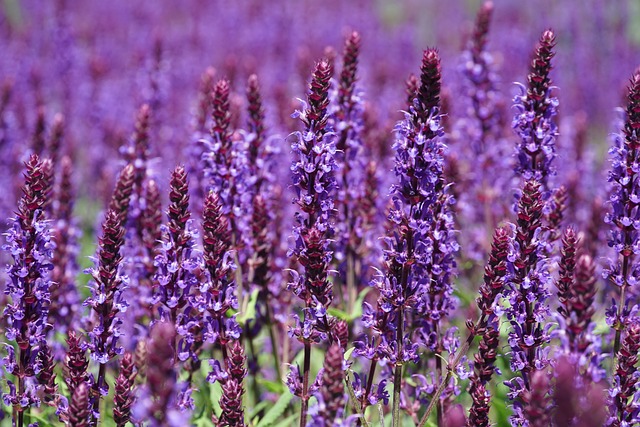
point(121, 198)
point(225, 166)
point(534, 120)
point(106, 300)
point(331, 395)
point(624, 270)
point(624, 409)
point(482, 126)
point(79, 409)
point(26, 316)
point(576, 293)
point(64, 295)
point(495, 272)
point(348, 121)
point(232, 388)
point(124, 396)
point(313, 178)
point(75, 363)
point(483, 369)
point(528, 295)
point(217, 292)
point(158, 401)
point(578, 401)
point(177, 262)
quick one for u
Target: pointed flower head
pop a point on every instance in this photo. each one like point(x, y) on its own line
point(534, 121)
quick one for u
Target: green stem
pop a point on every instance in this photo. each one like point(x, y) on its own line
point(397, 375)
point(305, 384)
point(451, 367)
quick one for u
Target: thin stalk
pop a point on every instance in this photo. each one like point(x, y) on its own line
point(305, 384)
point(254, 358)
point(440, 410)
point(357, 407)
point(20, 393)
point(451, 367)
point(397, 375)
point(274, 341)
point(96, 404)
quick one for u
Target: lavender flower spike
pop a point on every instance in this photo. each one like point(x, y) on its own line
point(529, 283)
point(28, 242)
point(313, 177)
point(123, 398)
point(534, 121)
point(232, 388)
point(157, 402)
point(106, 299)
point(624, 270)
point(331, 399)
point(624, 409)
point(79, 410)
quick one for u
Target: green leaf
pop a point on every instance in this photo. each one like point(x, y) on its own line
point(250, 312)
point(347, 354)
point(258, 408)
point(342, 315)
point(272, 386)
point(276, 411)
point(215, 391)
point(204, 422)
point(287, 421)
point(357, 308)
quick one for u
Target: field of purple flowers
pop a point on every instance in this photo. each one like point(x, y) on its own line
point(324, 214)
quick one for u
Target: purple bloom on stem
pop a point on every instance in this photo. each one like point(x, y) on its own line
point(158, 402)
point(29, 244)
point(232, 387)
point(79, 409)
point(64, 295)
point(624, 406)
point(124, 396)
point(331, 396)
point(534, 121)
point(528, 283)
point(313, 177)
point(624, 270)
point(177, 261)
point(217, 292)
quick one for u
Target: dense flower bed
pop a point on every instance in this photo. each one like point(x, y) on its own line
point(401, 245)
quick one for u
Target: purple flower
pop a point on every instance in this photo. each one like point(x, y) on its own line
point(534, 120)
point(528, 283)
point(232, 387)
point(225, 166)
point(29, 244)
point(217, 292)
point(79, 409)
point(331, 395)
point(124, 395)
point(624, 409)
point(158, 401)
point(177, 262)
point(624, 217)
point(64, 295)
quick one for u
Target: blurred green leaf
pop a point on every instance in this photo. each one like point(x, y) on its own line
point(276, 411)
point(250, 312)
point(272, 386)
point(287, 421)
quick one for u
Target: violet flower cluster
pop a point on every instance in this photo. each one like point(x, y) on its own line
point(534, 121)
point(29, 243)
